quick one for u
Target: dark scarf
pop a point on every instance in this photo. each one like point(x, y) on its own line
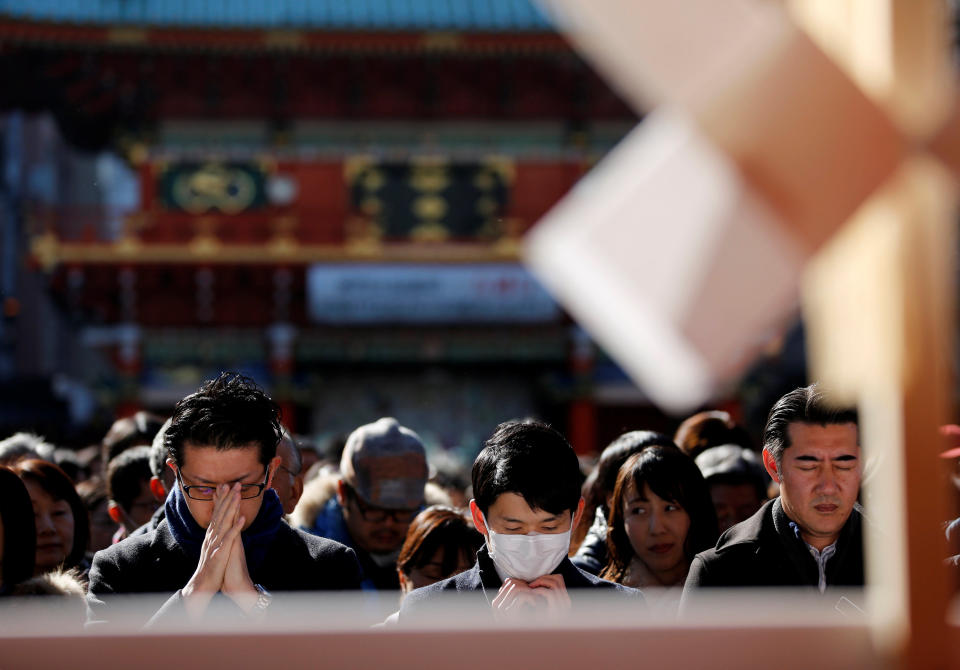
point(256, 539)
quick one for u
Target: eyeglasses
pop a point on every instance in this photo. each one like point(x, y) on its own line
point(247, 491)
point(380, 514)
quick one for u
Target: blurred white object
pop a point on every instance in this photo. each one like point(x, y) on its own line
point(665, 255)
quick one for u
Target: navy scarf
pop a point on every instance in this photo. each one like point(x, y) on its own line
point(256, 539)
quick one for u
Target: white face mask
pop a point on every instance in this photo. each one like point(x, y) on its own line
point(529, 556)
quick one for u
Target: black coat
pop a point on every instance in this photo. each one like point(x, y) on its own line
point(765, 551)
point(483, 580)
point(155, 563)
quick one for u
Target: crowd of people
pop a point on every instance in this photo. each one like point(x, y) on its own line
point(219, 508)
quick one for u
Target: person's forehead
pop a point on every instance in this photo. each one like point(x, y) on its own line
point(513, 506)
point(215, 464)
point(38, 493)
point(834, 437)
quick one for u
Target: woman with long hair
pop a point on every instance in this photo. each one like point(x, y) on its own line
point(660, 516)
point(590, 538)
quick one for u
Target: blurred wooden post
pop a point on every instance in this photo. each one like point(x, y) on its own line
point(880, 312)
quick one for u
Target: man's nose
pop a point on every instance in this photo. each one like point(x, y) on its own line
point(827, 483)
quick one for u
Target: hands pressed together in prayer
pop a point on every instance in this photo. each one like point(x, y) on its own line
point(223, 565)
point(545, 597)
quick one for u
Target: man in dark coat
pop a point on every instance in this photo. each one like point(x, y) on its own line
point(811, 534)
point(526, 484)
point(223, 538)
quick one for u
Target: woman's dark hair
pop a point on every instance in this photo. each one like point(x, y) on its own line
point(55, 482)
point(613, 458)
point(19, 531)
point(599, 484)
point(435, 527)
point(673, 476)
point(534, 461)
point(229, 412)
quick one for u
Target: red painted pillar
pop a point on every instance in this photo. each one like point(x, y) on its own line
point(582, 416)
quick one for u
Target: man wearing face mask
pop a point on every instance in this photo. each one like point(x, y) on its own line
point(526, 486)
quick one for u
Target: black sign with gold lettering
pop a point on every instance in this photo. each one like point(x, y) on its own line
point(423, 200)
point(201, 188)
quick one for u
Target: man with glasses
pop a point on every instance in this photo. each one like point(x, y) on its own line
point(383, 471)
point(223, 540)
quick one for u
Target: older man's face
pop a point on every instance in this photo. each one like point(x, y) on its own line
point(819, 478)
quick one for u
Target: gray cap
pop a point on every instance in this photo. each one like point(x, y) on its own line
point(386, 465)
point(730, 459)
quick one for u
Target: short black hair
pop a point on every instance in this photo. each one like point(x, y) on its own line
point(126, 474)
point(531, 459)
point(229, 412)
point(803, 405)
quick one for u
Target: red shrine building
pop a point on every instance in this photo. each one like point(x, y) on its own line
point(327, 196)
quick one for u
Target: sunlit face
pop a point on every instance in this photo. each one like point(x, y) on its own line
point(511, 515)
point(54, 521)
point(657, 530)
point(432, 571)
point(734, 503)
point(208, 466)
point(819, 478)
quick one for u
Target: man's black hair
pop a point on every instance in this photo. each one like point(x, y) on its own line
point(803, 405)
point(531, 459)
point(126, 474)
point(229, 412)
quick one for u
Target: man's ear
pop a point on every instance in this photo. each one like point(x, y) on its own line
point(771, 465)
point(272, 469)
point(577, 515)
point(113, 509)
point(478, 518)
point(341, 493)
point(157, 488)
